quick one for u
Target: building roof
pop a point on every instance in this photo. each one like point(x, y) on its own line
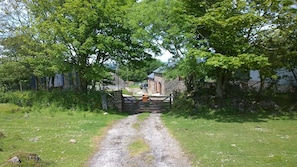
point(161, 70)
point(151, 76)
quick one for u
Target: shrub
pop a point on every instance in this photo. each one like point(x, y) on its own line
point(67, 99)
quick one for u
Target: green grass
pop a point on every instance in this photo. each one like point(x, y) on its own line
point(143, 116)
point(8, 108)
point(134, 86)
point(47, 132)
point(236, 140)
point(140, 118)
point(126, 92)
point(138, 147)
point(66, 99)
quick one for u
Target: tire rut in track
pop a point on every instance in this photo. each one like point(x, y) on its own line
point(164, 150)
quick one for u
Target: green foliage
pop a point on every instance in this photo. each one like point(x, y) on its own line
point(139, 72)
point(275, 41)
point(65, 99)
point(229, 34)
point(243, 61)
point(17, 98)
point(9, 108)
point(219, 32)
point(13, 74)
point(126, 92)
point(192, 68)
point(182, 104)
point(237, 103)
point(82, 35)
point(159, 24)
point(74, 36)
point(31, 56)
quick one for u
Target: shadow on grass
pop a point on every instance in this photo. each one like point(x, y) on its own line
point(240, 117)
point(221, 110)
point(229, 114)
point(238, 106)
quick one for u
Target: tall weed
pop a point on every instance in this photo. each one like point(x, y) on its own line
point(66, 99)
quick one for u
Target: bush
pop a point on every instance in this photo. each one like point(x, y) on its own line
point(67, 99)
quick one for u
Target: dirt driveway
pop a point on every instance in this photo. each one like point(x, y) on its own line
point(133, 142)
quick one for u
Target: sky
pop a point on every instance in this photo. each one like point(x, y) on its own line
point(165, 56)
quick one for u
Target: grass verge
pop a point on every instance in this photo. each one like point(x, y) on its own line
point(59, 137)
point(236, 140)
point(8, 108)
point(126, 92)
point(143, 116)
point(138, 147)
point(140, 118)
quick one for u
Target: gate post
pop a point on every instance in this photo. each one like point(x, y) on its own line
point(118, 100)
point(170, 101)
point(104, 102)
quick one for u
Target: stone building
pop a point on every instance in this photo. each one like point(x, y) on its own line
point(158, 84)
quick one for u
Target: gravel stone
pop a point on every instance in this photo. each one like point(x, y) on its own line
point(164, 149)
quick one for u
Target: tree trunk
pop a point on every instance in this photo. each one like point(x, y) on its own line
point(294, 74)
point(222, 81)
point(82, 67)
point(83, 84)
point(21, 87)
point(47, 81)
point(93, 85)
point(295, 77)
point(262, 82)
point(189, 83)
point(220, 84)
point(36, 83)
point(53, 81)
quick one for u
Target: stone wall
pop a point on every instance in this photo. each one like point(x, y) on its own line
point(151, 86)
point(160, 83)
point(118, 100)
point(174, 85)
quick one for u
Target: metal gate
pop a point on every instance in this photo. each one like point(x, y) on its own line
point(153, 104)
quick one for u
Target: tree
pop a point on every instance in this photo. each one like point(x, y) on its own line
point(273, 38)
point(167, 24)
point(160, 24)
point(23, 46)
point(13, 73)
point(13, 18)
point(227, 30)
point(138, 72)
point(40, 59)
point(92, 31)
point(227, 34)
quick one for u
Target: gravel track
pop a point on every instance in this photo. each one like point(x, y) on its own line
point(164, 149)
